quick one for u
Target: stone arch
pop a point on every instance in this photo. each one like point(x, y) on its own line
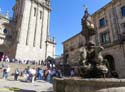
point(1, 54)
point(111, 62)
point(66, 58)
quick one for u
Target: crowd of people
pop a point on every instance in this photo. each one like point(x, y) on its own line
point(5, 58)
point(31, 74)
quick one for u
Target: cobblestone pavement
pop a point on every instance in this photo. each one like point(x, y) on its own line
point(22, 86)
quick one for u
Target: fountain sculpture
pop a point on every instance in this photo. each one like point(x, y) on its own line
point(91, 61)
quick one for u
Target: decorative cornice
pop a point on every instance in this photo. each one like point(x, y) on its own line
point(112, 44)
point(42, 4)
point(50, 42)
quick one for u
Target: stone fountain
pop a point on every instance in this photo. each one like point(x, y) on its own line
point(93, 68)
point(91, 61)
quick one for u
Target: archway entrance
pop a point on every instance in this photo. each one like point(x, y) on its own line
point(66, 59)
point(111, 65)
point(1, 54)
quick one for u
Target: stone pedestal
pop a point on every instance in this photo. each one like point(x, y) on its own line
point(88, 85)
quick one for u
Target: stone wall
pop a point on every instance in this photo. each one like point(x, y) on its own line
point(88, 85)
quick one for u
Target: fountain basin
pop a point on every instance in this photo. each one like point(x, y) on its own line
point(75, 84)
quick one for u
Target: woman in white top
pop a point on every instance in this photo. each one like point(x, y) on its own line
point(33, 72)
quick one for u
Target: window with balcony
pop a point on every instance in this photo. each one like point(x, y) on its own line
point(123, 11)
point(71, 48)
point(102, 22)
point(66, 47)
point(104, 37)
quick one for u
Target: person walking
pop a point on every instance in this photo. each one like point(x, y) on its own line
point(16, 74)
point(49, 76)
point(40, 74)
point(4, 73)
point(7, 71)
point(33, 74)
point(72, 73)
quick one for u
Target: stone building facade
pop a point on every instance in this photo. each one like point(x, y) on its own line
point(72, 48)
point(30, 31)
point(109, 23)
point(3, 19)
point(3, 32)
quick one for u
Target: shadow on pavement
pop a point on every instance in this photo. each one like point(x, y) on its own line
point(23, 90)
point(46, 91)
point(24, 81)
point(10, 80)
point(20, 90)
point(41, 81)
point(14, 89)
point(50, 88)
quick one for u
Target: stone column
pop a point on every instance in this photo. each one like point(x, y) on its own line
point(19, 29)
point(27, 38)
point(34, 40)
point(42, 29)
point(47, 36)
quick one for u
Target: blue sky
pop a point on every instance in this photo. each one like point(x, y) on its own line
point(65, 19)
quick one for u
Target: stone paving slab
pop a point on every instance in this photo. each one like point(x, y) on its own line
point(22, 86)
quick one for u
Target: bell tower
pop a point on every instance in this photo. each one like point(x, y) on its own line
point(32, 19)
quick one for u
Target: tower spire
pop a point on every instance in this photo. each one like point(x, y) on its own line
point(7, 14)
point(85, 11)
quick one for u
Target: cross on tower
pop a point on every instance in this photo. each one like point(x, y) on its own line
point(85, 7)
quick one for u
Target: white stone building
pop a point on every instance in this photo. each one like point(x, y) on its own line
point(30, 31)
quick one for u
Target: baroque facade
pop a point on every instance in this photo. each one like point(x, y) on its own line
point(109, 23)
point(29, 28)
